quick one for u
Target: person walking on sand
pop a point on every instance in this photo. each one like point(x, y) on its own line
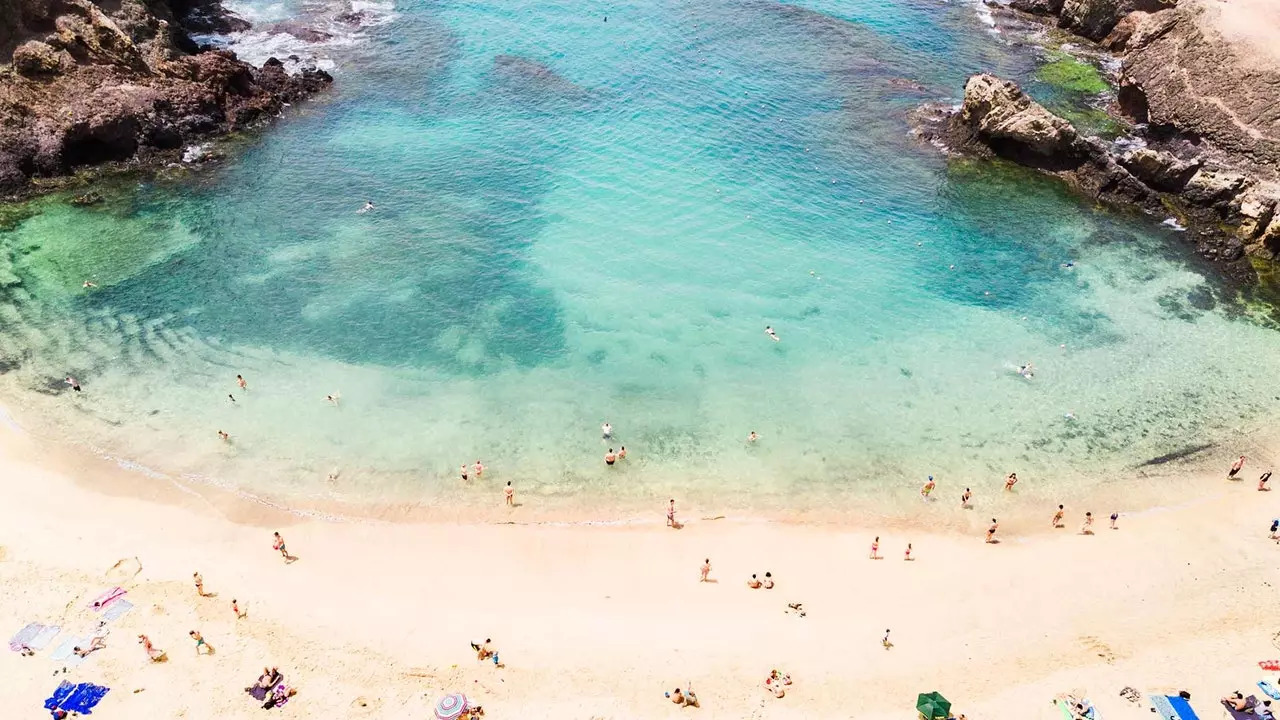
point(278, 544)
point(1235, 468)
point(1087, 527)
point(1057, 517)
point(240, 381)
point(991, 531)
point(1275, 528)
point(200, 643)
point(1262, 482)
point(479, 468)
point(768, 330)
point(706, 569)
point(1114, 517)
point(927, 488)
point(199, 584)
point(965, 498)
point(1010, 481)
point(885, 640)
point(907, 555)
point(235, 608)
point(875, 548)
point(510, 494)
point(671, 513)
point(610, 457)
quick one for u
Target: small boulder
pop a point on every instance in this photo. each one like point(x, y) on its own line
point(36, 59)
point(1158, 169)
point(1213, 187)
point(1257, 207)
point(1038, 7)
point(1016, 126)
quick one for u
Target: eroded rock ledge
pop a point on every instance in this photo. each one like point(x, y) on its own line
point(1206, 111)
point(100, 82)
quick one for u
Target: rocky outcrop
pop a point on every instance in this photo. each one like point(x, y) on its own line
point(1095, 19)
point(997, 118)
point(102, 82)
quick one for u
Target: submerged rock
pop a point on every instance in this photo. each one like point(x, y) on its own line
point(534, 81)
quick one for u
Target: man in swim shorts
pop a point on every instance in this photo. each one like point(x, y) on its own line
point(1235, 468)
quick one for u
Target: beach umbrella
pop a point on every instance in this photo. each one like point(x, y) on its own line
point(933, 706)
point(451, 706)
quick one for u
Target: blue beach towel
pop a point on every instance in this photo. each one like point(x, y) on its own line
point(1269, 690)
point(24, 636)
point(62, 692)
point(44, 637)
point(116, 609)
point(84, 698)
point(1173, 707)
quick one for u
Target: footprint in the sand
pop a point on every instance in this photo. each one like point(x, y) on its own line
point(1099, 648)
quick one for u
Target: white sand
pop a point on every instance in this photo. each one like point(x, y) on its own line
point(596, 622)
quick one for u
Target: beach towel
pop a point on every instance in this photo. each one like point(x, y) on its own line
point(25, 636)
point(62, 692)
point(65, 653)
point(116, 610)
point(84, 698)
point(44, 637)
point(1269, 690)
point(106, 598)
point(1172, 707)
point(259, 693)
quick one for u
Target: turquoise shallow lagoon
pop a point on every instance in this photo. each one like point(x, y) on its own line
point(580, 220)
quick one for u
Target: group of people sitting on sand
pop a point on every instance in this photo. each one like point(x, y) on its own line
point(756, 583)
point(776, 683)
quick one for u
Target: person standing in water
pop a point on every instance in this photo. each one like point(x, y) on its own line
point(752, 436)
point(1010, 481)
point(223, 436)
point(927, 488)
point(671, 513)
point(965, 498)
point(610, 458)
point(240, 381)
point(606, 431)
point(510, 494)
point(75, 384)
point(479, 468)
point(463, 472)
point(622, 453)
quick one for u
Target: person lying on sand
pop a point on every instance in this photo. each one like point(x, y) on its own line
point(269, 678)
point(753, 583)
point(95, 644)
point(683, 699)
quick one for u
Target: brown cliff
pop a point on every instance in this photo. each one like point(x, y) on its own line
point(109, 81)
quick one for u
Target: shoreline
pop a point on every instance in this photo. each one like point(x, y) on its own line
point(596, 621)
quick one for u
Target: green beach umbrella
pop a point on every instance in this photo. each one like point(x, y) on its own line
point(933, 706)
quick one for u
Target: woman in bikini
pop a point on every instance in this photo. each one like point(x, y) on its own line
point(875, 548)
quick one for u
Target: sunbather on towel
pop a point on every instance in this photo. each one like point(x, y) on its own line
point(1236, 701)
point(95, 644)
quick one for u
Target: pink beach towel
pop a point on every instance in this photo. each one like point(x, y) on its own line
point(106, 598)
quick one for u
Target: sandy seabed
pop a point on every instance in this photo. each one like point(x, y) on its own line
point(375, 619)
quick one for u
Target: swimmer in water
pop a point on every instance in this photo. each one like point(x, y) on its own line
point(368, 205)
point(1069, 415)
point(752, 436)
point(333, 398)
point(89, 284)
point(1027, 371)
point(768, 330)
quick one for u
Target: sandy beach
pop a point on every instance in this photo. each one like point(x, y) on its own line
point(375, 618)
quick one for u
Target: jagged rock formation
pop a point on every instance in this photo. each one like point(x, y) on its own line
point(1206, 102)
point(97, 82)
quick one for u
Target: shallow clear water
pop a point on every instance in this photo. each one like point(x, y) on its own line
point(580, 221)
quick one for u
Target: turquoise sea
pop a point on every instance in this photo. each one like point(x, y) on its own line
point(580, 220)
